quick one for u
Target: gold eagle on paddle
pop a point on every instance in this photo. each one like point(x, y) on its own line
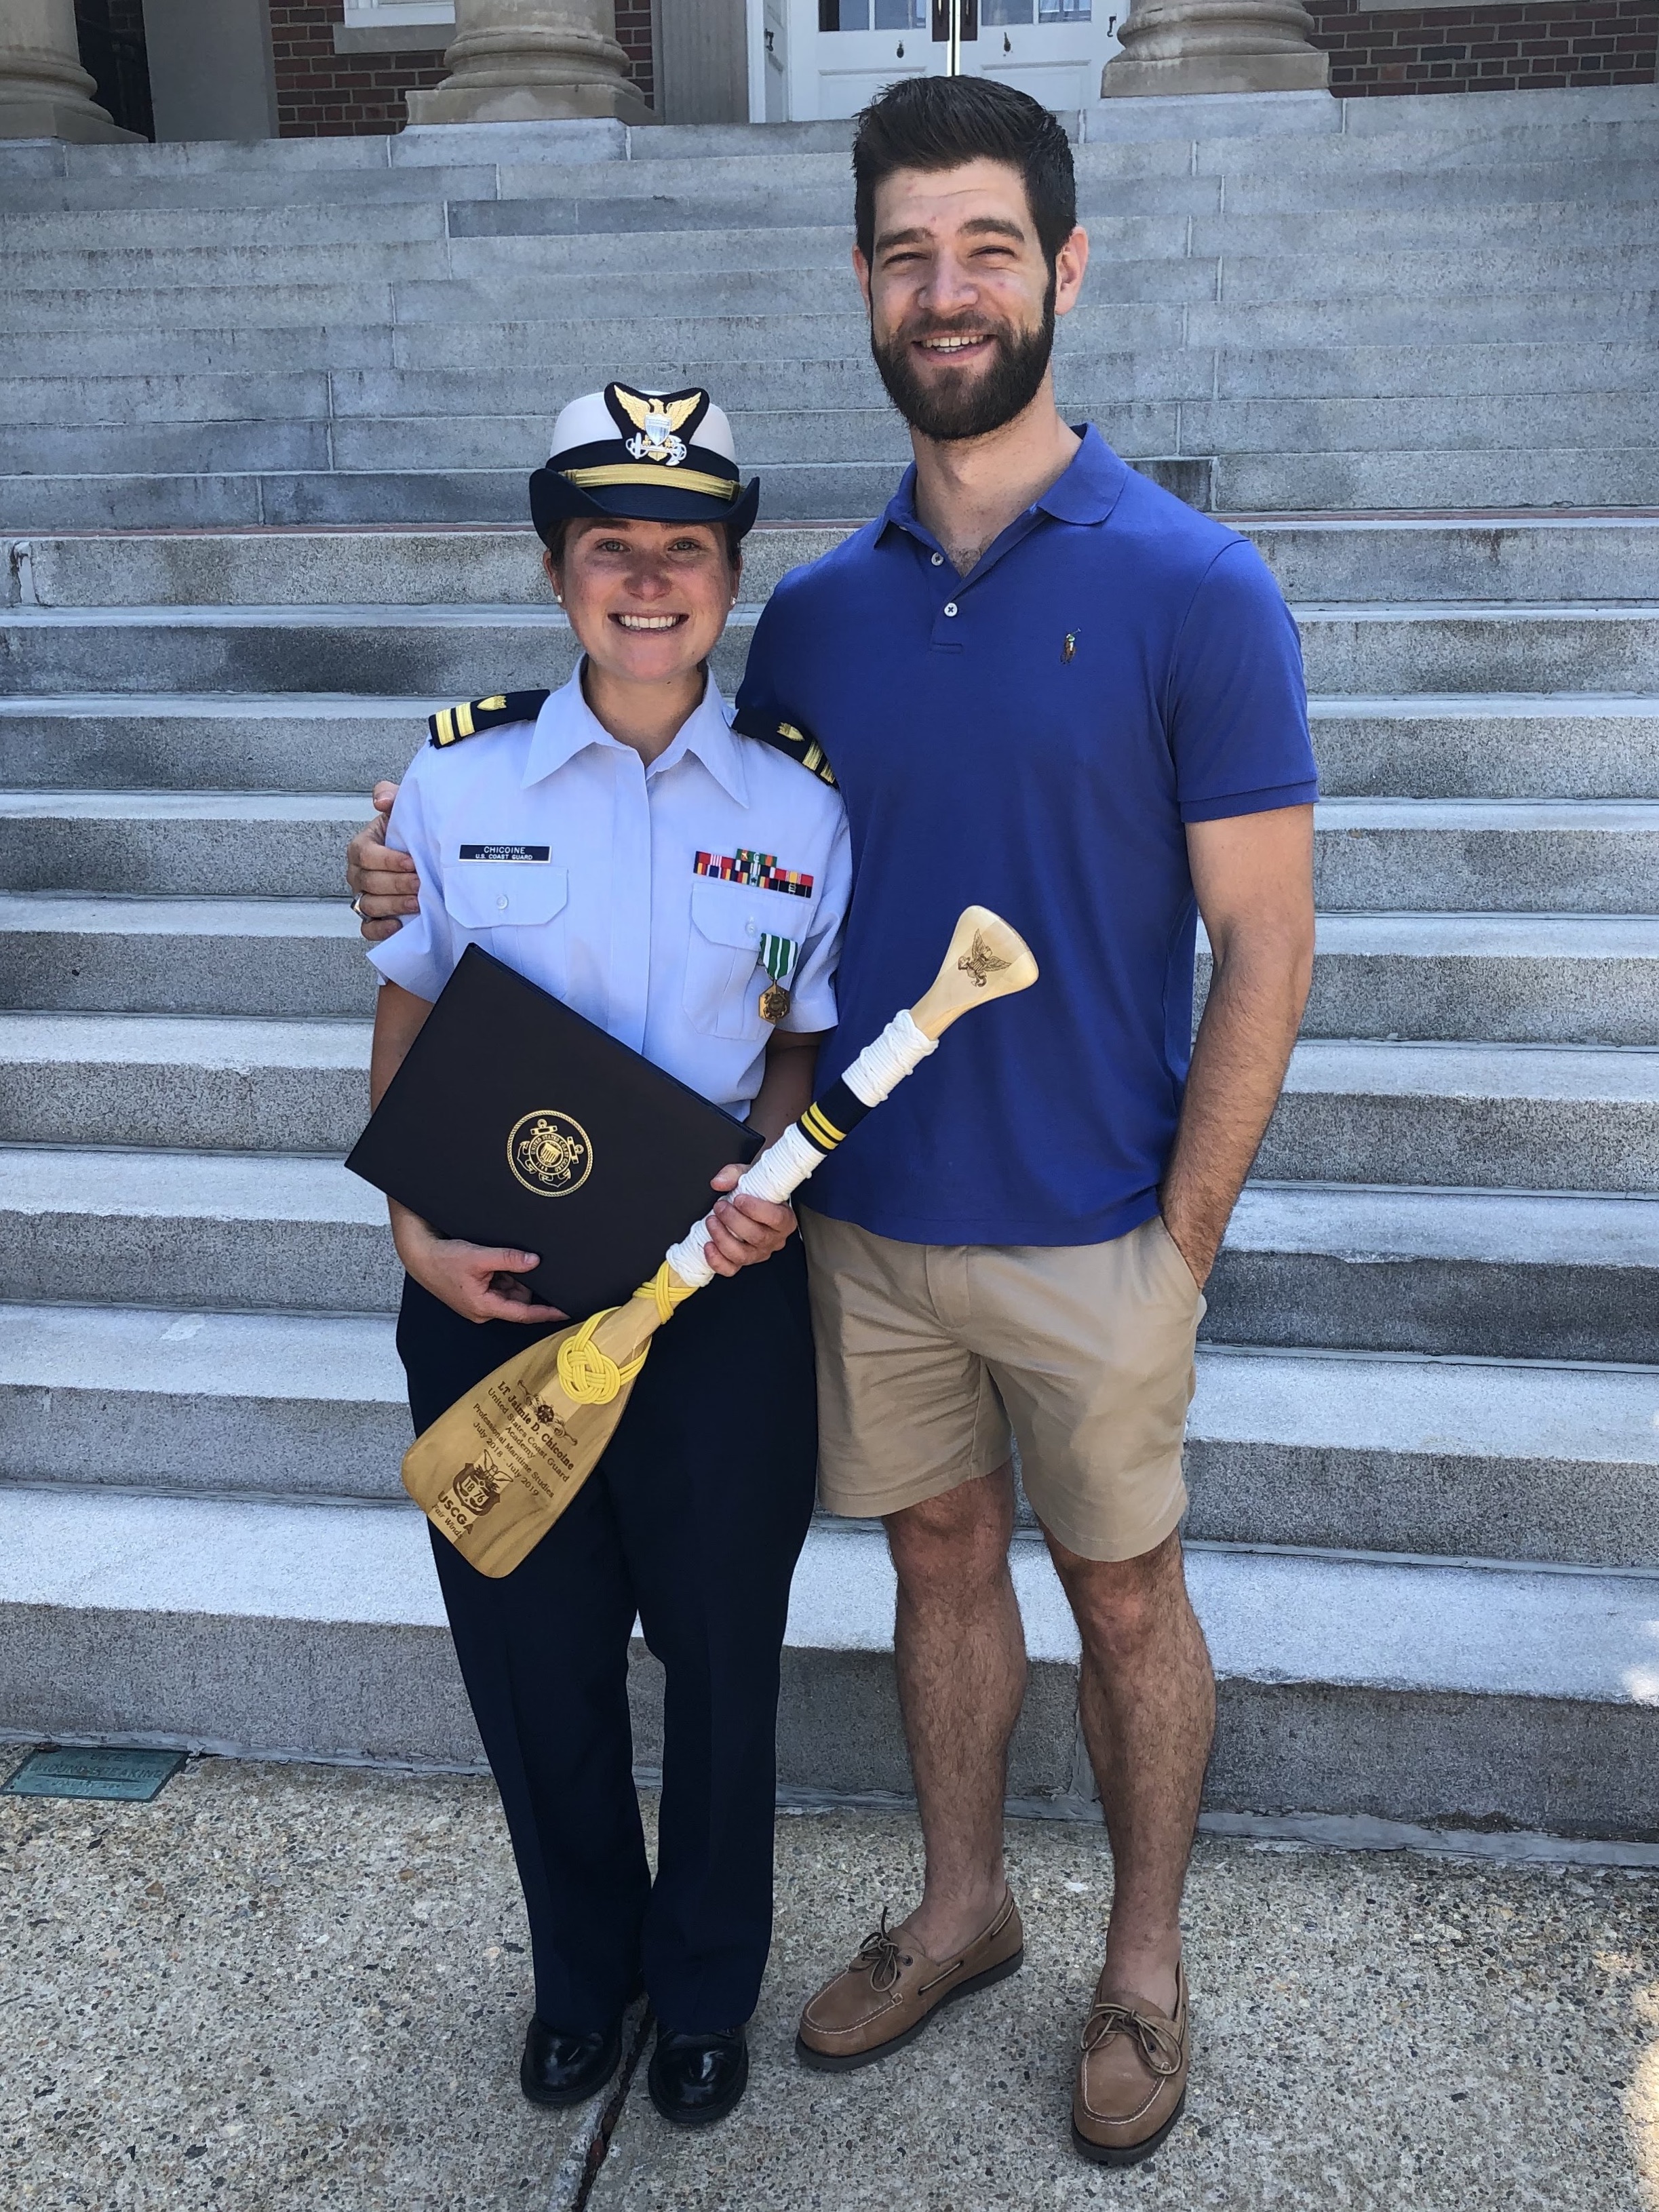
point(656, 422)
point(979, 961)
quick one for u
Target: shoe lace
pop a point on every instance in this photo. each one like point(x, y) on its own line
point(1159, 2045)
point(880, 1955)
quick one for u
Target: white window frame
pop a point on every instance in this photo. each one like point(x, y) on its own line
point(377, 15)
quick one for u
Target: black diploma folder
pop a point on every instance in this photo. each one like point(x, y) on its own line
point(515, 1120)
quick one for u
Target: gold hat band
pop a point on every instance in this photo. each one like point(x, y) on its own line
point(637, 473)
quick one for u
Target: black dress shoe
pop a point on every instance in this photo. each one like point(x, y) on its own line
point(695, 2080)
point(561, 2067)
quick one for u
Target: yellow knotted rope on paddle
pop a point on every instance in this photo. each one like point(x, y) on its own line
point(588, 1374)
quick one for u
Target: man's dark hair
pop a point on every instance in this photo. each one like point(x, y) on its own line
point(942, 122)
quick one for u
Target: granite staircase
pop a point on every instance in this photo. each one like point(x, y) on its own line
point(1425, 1454)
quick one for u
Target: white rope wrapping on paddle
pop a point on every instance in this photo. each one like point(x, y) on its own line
point(887, 1060)
point(781, 1168)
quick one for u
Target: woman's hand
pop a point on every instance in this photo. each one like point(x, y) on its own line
point(480, 1282)
point(742, 1229)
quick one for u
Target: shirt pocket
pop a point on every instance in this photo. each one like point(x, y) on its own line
point(723, 976)
point(516, 910)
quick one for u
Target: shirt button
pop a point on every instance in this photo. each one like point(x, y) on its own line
point(938, 560)
point(501, 903)
point(950, 606)
point(751, 928)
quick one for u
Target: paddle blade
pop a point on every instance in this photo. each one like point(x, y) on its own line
point(987, 959)
point(495, 1471)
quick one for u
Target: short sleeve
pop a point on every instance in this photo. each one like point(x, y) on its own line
point(421, 956)
point(1237, 708)
point(812, 995)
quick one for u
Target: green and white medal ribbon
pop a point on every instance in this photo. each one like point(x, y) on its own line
point(777, 956)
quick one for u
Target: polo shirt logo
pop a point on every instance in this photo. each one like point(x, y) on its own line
point(1070, 646)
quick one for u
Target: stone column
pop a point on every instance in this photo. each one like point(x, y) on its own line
point(44, 91)
point(532, 61)
point(1215, 46)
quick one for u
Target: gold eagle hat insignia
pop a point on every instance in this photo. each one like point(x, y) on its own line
point(979, 961)
point(658, 419)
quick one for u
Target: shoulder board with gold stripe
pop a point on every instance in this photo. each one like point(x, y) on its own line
point(472, 715)
point(787, 737)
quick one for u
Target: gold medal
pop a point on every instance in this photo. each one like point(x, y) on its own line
point(774, 1003)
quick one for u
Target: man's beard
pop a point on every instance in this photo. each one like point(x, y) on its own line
point(966, 404)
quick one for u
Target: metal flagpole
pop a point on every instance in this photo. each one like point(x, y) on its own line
point(953, 50)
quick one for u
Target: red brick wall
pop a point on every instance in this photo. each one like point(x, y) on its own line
point(1525, 44)
point(323, 94)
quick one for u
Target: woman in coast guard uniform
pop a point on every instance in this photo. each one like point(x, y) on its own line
point(618, 842)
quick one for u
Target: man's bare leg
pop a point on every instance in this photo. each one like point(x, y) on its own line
point(961, 1653)
point(1147, 1701)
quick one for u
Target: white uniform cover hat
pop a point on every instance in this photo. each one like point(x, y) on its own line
point(659, 456)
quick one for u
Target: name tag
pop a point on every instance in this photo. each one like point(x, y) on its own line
point(506, 852)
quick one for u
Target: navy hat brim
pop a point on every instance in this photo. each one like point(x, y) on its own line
point(554, 499)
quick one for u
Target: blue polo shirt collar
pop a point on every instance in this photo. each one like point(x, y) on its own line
point(1085, 491)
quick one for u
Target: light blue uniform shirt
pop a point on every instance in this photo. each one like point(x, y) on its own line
point(558, 851)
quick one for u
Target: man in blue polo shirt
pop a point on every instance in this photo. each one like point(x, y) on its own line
point(1047, 686)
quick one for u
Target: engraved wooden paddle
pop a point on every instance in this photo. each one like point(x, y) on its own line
point(496, 1471)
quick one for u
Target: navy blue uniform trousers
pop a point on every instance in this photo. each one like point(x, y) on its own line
point(694, 1520)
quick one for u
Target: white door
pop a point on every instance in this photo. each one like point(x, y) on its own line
point(1056, 50)
point(841, 52)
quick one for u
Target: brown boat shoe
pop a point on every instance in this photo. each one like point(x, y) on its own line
point(1131, 2076)
point(893, 1989)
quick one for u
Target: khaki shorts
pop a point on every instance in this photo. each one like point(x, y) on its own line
point(930, 1355)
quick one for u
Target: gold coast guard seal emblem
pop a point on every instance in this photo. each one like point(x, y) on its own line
point(658, 418)
point(550, 1153)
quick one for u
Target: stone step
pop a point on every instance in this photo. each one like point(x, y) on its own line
point(1514, 377)
point(497, 565)
point(201, 1231)
point(1553, 1118)
point(194, 1083)
point(1514, 558)
point(183, 844)
point(719, 343)
point(1547, 979)
point(294, 741)
point(1506, 1274)
point(1519, 978)
point(278, 1405)
point(1516, 747)
point(1538, 1117)
point(1371, 855)
point(1279, 442)
point(1484, 1459)
point(1383, 1453)
point(1497, 1694)
point(1488, 479)
point(812, 191)
point(223, 955)
point(1487, 1273)
point(1499, 746)
point(470, 651)
point(1498, 856)
point(484, 281)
